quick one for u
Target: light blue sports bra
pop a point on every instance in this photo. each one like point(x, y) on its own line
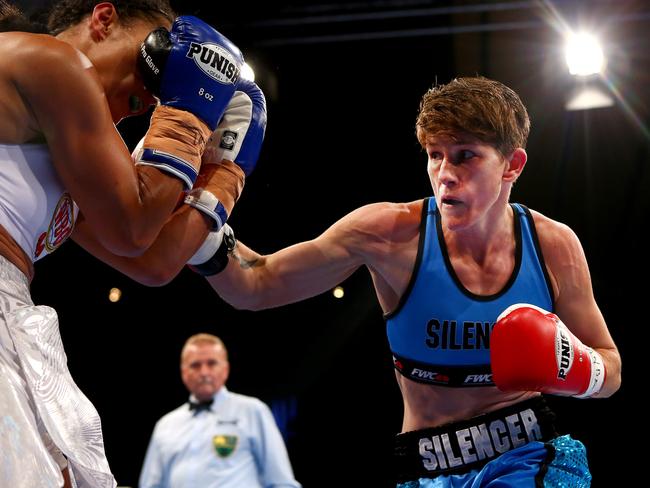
point(440, 332)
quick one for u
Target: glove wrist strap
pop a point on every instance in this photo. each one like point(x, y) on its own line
point(220, 259)
point(209, 204)
point(598, 374)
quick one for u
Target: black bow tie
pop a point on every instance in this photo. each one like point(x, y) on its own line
point(198, 406)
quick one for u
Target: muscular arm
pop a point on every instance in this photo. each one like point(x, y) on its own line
point(575, 302)
point(252, 281)
point(180, 237)
point(125, 206)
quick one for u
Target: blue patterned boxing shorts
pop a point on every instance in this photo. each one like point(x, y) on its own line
point(512, 447)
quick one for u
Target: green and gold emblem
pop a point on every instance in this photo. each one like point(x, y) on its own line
point(224, 445)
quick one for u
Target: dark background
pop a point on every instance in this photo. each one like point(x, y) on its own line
point(343, 83)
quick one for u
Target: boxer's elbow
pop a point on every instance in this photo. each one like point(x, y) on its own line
point(155, 279)
point(153, 273)
point(128, 242)
point(611, 386)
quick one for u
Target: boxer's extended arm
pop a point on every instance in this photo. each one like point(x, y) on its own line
point(249, 281)
point(253, 281)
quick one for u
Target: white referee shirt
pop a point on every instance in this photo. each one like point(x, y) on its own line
point(234, 444)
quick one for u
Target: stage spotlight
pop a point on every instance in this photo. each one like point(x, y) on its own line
point(586, 62)
point(584, 56)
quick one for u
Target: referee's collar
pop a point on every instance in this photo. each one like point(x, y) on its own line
point(219, 397)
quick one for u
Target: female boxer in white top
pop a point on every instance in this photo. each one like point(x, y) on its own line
point(60, 98)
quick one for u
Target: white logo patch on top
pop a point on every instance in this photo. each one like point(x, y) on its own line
point(215, 61)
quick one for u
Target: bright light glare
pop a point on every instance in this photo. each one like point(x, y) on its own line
point(114, 295)
point(587, 97)
point(584, 55)
point(338, 292)
point(247, 72)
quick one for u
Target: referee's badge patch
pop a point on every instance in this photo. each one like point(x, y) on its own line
point(228, 140)
point(224, 445)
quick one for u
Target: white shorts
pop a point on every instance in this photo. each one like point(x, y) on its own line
point(43, 413)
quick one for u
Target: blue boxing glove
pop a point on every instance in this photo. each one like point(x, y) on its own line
point(192, 67)
point(235, 146)
point(194, 71)
point(240, 132)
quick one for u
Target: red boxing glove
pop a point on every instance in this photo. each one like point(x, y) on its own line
point(532, 350)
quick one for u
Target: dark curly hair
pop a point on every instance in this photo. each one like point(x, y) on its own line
point(66, 13)
point(12, 19)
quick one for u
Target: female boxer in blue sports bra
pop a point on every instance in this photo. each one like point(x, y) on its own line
point(446, 269)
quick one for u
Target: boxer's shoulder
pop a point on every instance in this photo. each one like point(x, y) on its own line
point(386, 221)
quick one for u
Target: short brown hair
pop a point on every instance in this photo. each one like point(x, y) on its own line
point(482, 108)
